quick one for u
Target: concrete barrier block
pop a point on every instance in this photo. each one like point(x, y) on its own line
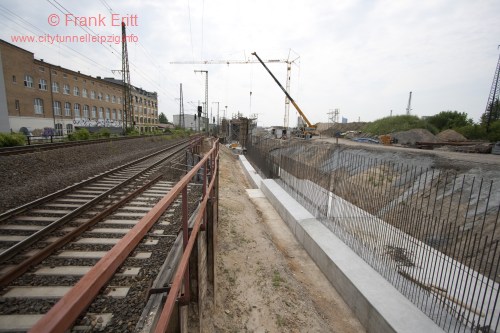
point(253, 177)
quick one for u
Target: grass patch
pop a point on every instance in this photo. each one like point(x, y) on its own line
point(277, 279)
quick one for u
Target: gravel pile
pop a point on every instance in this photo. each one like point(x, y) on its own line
point(24, 178)
point(414, 135)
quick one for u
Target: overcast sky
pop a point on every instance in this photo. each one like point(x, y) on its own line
point(361, 57)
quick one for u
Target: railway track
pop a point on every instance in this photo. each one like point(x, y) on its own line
point(47, 246)
point(17, 150)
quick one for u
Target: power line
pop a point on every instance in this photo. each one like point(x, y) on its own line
point(190, 30)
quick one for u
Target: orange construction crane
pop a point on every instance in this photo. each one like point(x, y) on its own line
point(288, 63)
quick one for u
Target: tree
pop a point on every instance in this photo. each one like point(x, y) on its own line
point(449, 119)
point(163, 119)
point(491, 114)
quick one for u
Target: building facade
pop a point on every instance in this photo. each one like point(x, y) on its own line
point(191, 122)
point(36, 95)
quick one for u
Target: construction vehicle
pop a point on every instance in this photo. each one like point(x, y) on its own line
point(306, 131)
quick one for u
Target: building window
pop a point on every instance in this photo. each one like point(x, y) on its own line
point(55, 87)
point(17, 105)
point(65, 75)
point(101, 110)
point(38, 106)
point(28, 81)
point(113, 99)
point(84, 93)
point(14, 80)
point(76, 91)
point(107, 113)
point(118, 100)
point(92, 94)
point(57, 108)
point(99, 96)
point(67, 109)
point(107, 98)
point(66, 89)
point(76, 78)
point(54, 72)
point(59, 129)
point(113, 114)
point(94, 112)
point(42, 69)
point(69, 128)
point(85, 111)
point(119, 114)
point(76, 108)
point(42, 85)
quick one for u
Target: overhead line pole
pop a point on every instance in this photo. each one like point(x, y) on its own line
point(205, 112)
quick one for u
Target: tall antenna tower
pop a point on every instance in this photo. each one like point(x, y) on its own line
point(127, 96)
point(494, 96)
point(182, 123)
point(408, 108)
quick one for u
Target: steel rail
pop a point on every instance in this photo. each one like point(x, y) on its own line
point(24, 266)
point(37, 202)
point(66, 311)
point(13, 250)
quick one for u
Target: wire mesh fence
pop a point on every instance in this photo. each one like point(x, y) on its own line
point(432, 233)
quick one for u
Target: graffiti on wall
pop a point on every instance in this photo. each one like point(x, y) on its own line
point(86, 122)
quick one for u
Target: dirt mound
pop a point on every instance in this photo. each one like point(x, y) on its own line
point(328, 129)
point(450, 135)
point(414, 135)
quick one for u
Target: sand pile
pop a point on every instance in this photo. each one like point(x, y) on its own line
point(450, 135)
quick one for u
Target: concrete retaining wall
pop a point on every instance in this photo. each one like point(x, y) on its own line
point(378, 305)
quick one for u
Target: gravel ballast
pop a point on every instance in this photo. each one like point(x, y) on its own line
point(24, 178)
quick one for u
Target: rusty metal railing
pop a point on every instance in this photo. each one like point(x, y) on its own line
point(65, 312)
point(210, 167)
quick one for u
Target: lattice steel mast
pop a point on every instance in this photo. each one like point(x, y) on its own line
point(494, 96)
point(127, 96)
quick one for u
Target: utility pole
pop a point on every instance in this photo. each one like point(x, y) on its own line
point(205, 112)
point(217, 116)
point(127, 96)
point(182, 124)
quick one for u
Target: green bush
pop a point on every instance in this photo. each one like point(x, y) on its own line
point(449, 119)
point(472, 132)
point(80, 134)
point(104, 133)
point(12, 139)
point(397, 124)
point(494, 133)
point(132, 132)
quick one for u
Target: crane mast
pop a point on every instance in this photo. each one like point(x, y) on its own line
point(408, 108)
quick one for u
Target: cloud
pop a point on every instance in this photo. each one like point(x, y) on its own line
point(360, 56)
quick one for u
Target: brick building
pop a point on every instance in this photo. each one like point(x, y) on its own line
point(37, 95)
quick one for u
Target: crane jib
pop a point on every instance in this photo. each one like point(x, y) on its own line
point(286, 93)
